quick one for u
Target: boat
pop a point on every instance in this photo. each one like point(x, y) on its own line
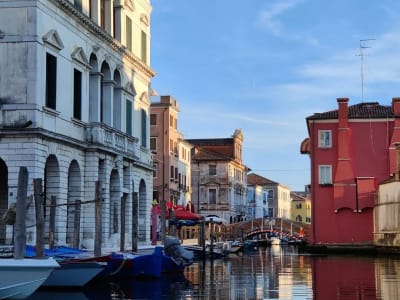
point(113, 265)
point(22, 277)
point(176, 257)
point(74, 274)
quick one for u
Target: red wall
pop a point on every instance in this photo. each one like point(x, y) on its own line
point(368, 143)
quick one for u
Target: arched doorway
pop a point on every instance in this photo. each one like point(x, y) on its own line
point(51, 189)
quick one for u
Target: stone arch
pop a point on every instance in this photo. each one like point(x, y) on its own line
point(74, 193)
point(3, 197)
point(142, 210)
point(115, 197)
point(51, 187)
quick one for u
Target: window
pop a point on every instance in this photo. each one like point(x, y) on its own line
point(128, 33)
point(77, 94)
point(153, 120)
point(172, 172)
point(324, 138)
point(155, 166)
point(325, 174)
point(144, 47)
point(298, 205)
point(212, 196)
point(264, 198)
point(270, 194)
point(153, 144)
point(51, 81)
point(128, 117)
point(78, 4)
point(212, 169)
point(144, 130)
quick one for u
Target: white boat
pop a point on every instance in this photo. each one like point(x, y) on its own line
point(22, 277)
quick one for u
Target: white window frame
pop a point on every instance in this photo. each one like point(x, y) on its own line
point(324, 138)
point(325, 174)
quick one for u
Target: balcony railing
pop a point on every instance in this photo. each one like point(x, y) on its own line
point(214, 179)
point(105, 136)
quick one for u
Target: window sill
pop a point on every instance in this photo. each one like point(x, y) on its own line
point(325, 184)
point(77, 121)
point(50, 111)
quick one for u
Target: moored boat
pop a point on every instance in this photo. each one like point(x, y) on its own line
point(22, 277)
point(73, 274)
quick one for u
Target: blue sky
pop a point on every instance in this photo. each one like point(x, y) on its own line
point(265, 66)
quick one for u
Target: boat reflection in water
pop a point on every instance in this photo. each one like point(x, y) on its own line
point(275, 272)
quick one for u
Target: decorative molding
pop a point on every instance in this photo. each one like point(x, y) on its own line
point(144, 97)
point(80, 56)
point(53, 39)
point(144, 19)
point(130, 5)
point(129, 88)
point(101, 34)
point(96, 48)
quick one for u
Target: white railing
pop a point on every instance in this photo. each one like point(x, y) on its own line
point(103, 135)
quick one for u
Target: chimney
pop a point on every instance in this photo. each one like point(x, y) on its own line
point(396, 106)
point(343, 112)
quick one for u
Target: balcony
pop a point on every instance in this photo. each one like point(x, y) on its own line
point(102, 135)
point(214, 179)
point(219, 206)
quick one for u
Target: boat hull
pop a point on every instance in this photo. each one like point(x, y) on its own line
point(73, 274)
point(22, 277)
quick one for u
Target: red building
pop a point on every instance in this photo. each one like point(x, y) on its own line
point(352, 150)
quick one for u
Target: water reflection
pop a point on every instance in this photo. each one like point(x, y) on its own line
point(269, 273)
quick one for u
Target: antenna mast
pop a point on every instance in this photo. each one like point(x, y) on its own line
point(362, 47)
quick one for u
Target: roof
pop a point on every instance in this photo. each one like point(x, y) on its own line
point(364, 110)
point(254, 179)
point(297, 197)
point(202, 154)
point(211, 142)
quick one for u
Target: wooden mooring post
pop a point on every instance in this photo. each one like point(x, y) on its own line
point(52, 221)
point(77, 224)
point(20, 230)
point(39, 212)
point(97, 219)
point(122, 238)
point(134, 222)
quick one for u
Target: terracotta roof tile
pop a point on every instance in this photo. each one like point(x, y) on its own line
point(254, 179)
point(365, 110)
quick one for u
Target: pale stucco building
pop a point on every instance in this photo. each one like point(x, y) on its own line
point(74, 109)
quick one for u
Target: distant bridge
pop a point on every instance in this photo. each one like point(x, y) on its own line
point(248, 229)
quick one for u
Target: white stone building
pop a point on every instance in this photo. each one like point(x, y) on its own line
point(74, 109)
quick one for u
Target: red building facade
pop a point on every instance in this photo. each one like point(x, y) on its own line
point(352, 150)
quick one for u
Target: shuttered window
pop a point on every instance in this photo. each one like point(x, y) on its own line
point(51, 81)
point(129, 117)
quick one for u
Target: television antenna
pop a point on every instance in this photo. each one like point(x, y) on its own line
point(361, 54)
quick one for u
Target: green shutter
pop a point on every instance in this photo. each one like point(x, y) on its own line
point(128, 117)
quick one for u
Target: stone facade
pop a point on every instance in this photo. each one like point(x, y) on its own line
point(219, 177)
point(74, 109)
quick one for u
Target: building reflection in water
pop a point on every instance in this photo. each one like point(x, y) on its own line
point(281, 273)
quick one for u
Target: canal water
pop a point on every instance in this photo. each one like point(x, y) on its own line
point(275, 272)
